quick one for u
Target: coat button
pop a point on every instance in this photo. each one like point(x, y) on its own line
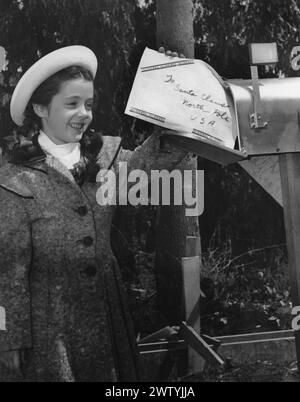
point(89, 271)
point(82, 210)
point(87, 241)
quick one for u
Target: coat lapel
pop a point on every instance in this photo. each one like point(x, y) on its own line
point(53, 163)
point(98, 151)
point(109, 151)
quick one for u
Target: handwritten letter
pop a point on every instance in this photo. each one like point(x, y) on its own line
point(182, 94)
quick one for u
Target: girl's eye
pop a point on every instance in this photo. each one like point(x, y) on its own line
point(71, 104)
point(89, 106)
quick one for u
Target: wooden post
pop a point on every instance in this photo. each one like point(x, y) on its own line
point(174, 32)
point(290, 182)
point(174, 20)
point(191, 289)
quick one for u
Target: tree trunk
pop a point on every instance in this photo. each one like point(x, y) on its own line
point(174, 32)
point(174, 20)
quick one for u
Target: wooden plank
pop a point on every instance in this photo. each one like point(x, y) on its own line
point(213, 342)
point(265, 171)
point(224, 341)
point(241, 349)
point(192, 246)
point(257, 336)
point(163, 346)
point(191, 289)
point(163, 333)
point(191, 286)
point(201, 347)
point(290, 182)
point(193, 318)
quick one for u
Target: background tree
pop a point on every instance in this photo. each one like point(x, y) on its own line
point(174, 20)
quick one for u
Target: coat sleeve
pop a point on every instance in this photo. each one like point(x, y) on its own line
point(15, 259)
point(155, 153)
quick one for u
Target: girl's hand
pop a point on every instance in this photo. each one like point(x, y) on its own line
point(170, 53)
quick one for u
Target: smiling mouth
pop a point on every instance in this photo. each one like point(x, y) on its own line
point(77, 126)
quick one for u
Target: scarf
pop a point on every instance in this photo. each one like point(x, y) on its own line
point(68, 154)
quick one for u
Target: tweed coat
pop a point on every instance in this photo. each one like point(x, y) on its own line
point(60, 285)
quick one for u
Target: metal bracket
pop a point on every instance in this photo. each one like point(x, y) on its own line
point(256, 121)
point(256, 118)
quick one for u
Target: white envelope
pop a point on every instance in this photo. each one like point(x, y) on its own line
point(186, 95)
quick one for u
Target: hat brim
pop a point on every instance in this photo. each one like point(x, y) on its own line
point(45, 67)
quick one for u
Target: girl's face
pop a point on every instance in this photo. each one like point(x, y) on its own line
point(69, 114)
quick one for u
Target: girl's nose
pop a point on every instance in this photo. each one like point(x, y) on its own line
point(83, 111)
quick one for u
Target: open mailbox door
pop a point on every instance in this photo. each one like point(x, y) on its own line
point(206, 148)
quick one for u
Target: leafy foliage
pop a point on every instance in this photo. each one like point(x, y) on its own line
point(246, 293)
point(224, 29)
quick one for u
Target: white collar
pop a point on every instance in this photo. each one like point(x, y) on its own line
point(68, 154)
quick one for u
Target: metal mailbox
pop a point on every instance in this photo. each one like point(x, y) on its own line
point(278, 112)
point(276, 105)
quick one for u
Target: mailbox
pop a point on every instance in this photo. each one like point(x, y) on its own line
point(278, 112)
point(275, 102)
point(265, 113)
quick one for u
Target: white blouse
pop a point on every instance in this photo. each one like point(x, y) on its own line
point(68, 154)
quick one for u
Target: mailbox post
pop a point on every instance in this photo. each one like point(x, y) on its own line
point(290, 183)
point(268, 119)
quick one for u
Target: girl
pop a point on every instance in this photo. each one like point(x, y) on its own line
point(61, 297)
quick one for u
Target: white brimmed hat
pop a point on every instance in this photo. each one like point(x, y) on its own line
point(43, 69)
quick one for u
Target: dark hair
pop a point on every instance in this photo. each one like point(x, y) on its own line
point(45, 92)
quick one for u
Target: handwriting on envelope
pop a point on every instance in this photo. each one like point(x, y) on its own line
point(184, 95)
